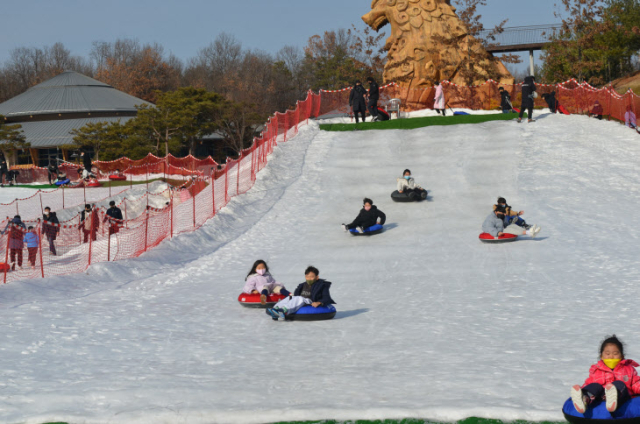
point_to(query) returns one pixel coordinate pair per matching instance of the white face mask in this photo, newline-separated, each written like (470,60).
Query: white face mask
(261,271)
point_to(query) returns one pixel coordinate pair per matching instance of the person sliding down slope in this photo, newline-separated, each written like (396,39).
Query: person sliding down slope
(313,291)
(369,216)
(511,216)
(494,225)
(259,280)
(407,184)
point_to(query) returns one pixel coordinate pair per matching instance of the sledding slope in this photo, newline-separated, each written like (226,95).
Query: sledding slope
(432,323)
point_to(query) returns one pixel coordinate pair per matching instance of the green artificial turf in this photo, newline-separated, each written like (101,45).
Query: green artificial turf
(412,123)
(104,184)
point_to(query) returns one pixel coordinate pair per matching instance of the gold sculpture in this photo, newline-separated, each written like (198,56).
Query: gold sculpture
(429,43)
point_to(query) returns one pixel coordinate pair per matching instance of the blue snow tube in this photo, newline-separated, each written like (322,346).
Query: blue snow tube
(309,313)
(461,113)
(374,229)
(63,182)
(627,413)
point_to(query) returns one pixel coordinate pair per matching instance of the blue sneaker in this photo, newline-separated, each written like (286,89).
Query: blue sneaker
(276,313)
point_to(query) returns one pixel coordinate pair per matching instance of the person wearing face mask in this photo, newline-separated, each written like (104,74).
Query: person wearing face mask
(50,228)
(369,216)
(494,225)
(613,379)
(511,216)
(89,223)
(407,185)
(357,101)
(314,291)
(259,280)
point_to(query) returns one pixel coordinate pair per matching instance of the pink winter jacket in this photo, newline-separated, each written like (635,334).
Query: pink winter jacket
(625,371)
(259,282)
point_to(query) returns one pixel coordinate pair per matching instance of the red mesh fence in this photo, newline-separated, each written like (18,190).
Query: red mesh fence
(153,217)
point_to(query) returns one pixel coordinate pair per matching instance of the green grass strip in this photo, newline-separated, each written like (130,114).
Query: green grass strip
(104,184)
(412,123)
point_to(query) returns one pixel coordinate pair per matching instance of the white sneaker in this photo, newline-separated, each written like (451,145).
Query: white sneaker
(360,230)
(536,229)
(611,394)
(579,399)
(344,227)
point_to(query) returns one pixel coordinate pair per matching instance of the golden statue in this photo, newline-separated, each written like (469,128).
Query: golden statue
(429,43)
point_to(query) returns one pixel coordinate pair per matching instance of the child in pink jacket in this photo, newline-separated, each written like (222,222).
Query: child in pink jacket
(260,281)
(613,379)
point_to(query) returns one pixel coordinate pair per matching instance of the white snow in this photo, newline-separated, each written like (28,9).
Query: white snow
(431,323)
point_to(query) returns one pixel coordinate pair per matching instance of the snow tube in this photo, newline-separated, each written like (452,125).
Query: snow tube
(63,182)
(94,184)
(516,110)
(561,109)
(505,238)
(383,114)
(118,177)
(461,113)
(4,267)
(374,229)
(396,196)
(309,313)
(627,413)
(253,300)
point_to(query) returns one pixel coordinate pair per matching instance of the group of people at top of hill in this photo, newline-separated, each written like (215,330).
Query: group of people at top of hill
(361,100)
(314,291)
(505,220)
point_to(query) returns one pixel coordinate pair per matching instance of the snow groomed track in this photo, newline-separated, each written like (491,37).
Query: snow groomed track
(431,323)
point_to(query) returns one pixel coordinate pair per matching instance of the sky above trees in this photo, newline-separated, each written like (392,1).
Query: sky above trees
(185,27)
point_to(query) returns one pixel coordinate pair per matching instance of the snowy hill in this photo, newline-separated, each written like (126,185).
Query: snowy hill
(431,323)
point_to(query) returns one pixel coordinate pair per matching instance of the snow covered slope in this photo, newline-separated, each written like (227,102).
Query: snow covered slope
(431,323)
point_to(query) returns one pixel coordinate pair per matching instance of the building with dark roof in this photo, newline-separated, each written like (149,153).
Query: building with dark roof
(48,112)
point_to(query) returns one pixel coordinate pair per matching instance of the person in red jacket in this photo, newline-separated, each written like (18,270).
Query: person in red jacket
(613,379)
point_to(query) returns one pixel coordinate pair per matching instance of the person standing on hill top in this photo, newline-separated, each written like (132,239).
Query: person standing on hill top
(505,101)
(374,96)
(86,163)
(528,94)
(356,100)
(50,228)
(438,100)
(52,169)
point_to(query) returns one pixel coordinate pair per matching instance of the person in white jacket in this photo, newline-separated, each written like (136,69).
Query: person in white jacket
(407,184)
(259,280)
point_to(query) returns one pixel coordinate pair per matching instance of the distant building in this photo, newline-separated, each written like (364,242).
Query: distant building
(48,112)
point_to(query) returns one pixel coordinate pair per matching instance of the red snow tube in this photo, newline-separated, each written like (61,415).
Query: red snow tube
(118,177)
(4,267)
(563,110)
(383,114)
(253,300)
(505,238)
(94,184)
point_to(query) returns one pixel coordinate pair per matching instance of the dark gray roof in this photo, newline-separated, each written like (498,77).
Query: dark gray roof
(69,92)
(48,134)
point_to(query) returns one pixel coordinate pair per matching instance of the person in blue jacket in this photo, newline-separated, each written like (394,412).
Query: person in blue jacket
(32,240)
(314,291)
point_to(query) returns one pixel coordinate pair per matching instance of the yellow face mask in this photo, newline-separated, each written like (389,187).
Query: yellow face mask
(611,363)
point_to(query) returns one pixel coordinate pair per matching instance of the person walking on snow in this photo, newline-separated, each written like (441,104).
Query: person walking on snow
(114,216)
(50,228)
(374,96)
(494,225)
(357,102)
(259,280)
(407,184)
(630,118)
(369,216)
(438,100)
(528,94)
(613,379)
(505,101)
(16,230)
(89,223)
(32,240)
(313,291)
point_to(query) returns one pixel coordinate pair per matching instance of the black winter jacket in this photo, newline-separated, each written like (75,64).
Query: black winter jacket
(505,102)
(114,212)
(356,99)
(86,161)
(374,91)
(319,292)
(50,230)
(528,87)
(551,101)
(369,217)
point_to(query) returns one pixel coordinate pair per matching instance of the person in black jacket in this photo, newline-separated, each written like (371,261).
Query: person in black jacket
(374,96)
(369,215)
(313,291)
(50,228)
(528,90)
(356,100)
(505,101)
(86,164)
(550,98)
(114,216)
(3,171)
(52,169)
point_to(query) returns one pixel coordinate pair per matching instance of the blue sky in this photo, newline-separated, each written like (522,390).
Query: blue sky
(183,27)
